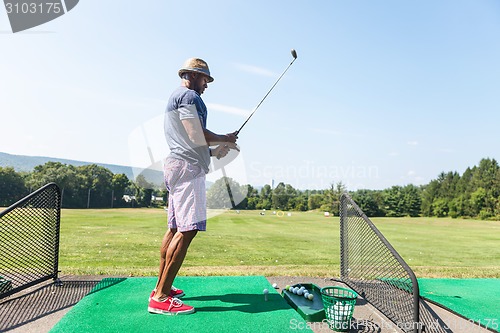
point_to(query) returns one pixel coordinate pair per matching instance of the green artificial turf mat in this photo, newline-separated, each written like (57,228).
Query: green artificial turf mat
(222,303)
(475,299)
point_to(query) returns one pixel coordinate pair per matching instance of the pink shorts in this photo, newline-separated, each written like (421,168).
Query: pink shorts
(187,202)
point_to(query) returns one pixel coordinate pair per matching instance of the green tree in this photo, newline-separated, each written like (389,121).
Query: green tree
(440,207)
(394,201)
(265,201)
(496,194)
(412,201)
(448,183)
(331,198)
(12,186)
(97,182)
(143,191)
(429,194)
(461,204)
(218,194)
(478,200)
(119,184)
(252,199)
(457,207)
(370,202)
(252,202)
(279,197)
(314,201)
(298,202)
(63,175)
(485,174)
(266,192)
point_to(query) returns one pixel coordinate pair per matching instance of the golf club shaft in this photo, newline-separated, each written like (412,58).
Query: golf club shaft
(275,83)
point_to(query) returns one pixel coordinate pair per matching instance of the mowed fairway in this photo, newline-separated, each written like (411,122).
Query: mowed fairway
(126,242)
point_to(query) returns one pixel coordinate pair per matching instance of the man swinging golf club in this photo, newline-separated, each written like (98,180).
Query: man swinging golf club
(185,168)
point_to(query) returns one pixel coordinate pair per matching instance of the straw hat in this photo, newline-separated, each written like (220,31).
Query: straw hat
(196,65)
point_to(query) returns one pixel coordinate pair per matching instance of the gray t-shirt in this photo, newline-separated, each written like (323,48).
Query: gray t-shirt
(185,103)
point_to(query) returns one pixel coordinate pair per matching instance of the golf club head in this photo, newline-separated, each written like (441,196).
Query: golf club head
(294,55)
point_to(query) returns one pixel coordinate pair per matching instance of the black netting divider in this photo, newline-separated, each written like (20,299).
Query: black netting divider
(29,240)
(373,268)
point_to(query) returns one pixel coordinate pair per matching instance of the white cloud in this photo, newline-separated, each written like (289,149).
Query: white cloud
(256,70)
(413,178)
(228,109)
(412,143)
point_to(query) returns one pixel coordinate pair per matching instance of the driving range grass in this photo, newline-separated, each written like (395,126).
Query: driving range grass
(126,242)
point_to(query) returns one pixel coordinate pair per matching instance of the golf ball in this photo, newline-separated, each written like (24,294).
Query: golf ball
(305,291)
(266,291)
(295,290)
(310,297)
(287,287)
(275,285)
(299,292)
(306,295)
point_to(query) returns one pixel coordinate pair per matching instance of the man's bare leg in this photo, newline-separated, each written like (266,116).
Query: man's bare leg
(174,257)
(163,252)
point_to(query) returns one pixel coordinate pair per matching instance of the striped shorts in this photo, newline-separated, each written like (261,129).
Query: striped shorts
(187,200)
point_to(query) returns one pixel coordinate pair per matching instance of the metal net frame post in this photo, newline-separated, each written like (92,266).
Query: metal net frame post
(29,240)
(372,267)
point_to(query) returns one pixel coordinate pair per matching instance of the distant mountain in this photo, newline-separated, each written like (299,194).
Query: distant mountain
(28,163)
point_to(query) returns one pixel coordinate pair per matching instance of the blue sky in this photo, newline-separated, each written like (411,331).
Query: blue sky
(383,92)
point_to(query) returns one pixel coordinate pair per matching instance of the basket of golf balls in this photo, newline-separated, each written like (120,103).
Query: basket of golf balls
(300,291)
(339,306)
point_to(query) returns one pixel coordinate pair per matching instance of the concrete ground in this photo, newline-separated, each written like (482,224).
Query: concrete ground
(38,309)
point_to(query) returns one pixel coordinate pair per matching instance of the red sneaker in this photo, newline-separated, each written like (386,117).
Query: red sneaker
(169,306)
(174,292)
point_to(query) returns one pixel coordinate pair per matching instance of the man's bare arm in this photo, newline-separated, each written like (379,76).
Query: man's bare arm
(194,131)
(214,139)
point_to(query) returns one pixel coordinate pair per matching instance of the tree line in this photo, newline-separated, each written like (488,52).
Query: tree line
(88,186)
(474,194)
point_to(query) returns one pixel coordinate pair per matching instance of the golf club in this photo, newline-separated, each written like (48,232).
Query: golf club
(294,55)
